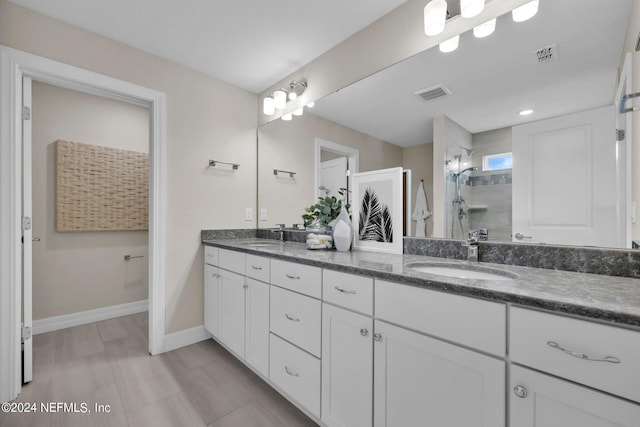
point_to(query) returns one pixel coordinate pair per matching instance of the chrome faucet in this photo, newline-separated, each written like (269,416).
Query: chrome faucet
(280,230)
(472,248)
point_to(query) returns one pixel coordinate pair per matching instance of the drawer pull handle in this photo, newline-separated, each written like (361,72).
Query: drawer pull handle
(610,359)
(344,291)
(256,268)
(293,319)
(290,372)
(293,277)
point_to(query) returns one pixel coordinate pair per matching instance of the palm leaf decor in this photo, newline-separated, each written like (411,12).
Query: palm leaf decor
(375,222)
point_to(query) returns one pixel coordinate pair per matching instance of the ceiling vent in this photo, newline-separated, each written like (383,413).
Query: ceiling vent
(546,54)
(433,92)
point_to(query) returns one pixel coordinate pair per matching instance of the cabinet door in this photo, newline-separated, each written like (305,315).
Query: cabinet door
(256,351)
(211,276)
(231,311)
(543,401)
(347,368)
(421,381)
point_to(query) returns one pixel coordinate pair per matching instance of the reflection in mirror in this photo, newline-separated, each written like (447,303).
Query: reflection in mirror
(485,84)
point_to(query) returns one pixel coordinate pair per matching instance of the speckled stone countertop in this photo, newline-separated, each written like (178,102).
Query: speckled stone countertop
(600,297)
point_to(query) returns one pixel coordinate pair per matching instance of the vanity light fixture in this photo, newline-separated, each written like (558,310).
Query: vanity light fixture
(471,8)
(280,99)
(298,112)
(311,104)
(526,112)
(526,11)
(450,45)
(287,117)
(486,29)
(268,106)
(435,16)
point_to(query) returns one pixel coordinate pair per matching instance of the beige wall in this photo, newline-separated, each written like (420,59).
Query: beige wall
(206,118)
(82,271)
(630,46)
(291,146)
(419,159)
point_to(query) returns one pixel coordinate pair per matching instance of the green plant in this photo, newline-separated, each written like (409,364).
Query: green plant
(327,208)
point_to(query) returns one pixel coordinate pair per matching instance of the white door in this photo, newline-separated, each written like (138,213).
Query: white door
(347,368)
(256,345)
(27,235)
(538,400)
(422,381)
(231,290)
(211,279)
(333,175)
(564,180)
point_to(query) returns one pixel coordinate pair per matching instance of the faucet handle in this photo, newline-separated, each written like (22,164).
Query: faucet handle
(281,226)
(296,226)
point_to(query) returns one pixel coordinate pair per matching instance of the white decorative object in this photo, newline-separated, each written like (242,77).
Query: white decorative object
(342,232)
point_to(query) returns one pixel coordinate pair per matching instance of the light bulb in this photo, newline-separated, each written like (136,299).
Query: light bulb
(471,8)
(298,112)
(483,30)
(435,15)
(450,45)
(311,104)
(280,99)
(526,11)
(287,117)
(527,112)
(268,106)
(292,95)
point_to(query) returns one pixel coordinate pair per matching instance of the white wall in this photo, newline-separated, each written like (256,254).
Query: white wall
(291,146)
(206,118)
(81,271)
(419,159)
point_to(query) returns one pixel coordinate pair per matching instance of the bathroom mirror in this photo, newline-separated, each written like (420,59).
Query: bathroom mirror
(547,64)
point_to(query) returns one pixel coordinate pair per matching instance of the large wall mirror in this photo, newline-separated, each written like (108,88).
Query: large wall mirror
(557,175)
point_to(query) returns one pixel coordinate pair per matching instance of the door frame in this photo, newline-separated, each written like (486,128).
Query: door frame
(353,166)
(14,64)
(625,171)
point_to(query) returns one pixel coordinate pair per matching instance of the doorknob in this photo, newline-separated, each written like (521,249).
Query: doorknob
(521,236)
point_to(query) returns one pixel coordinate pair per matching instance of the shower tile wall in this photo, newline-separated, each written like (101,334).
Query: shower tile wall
(492,190)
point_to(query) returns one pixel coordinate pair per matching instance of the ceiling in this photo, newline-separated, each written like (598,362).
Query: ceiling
(251,44)
(492,79)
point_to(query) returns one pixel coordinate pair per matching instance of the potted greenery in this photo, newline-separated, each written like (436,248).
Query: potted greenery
(319,217)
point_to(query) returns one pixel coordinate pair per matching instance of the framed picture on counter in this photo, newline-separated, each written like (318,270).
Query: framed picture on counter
(377,213)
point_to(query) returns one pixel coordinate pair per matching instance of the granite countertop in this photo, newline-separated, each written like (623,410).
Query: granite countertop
(606,298)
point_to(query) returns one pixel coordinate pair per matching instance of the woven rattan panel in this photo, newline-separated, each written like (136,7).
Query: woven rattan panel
(100,188)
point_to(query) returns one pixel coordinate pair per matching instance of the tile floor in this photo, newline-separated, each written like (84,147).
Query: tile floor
(107,363)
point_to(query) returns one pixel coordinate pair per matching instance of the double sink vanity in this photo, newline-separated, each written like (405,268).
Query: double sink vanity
(369,339)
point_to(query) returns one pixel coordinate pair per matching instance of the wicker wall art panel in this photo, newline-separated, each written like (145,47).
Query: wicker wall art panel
(100,188)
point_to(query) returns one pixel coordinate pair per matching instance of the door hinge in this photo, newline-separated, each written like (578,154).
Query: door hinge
(26,223)
(620,135)
(26,113)
(26,333)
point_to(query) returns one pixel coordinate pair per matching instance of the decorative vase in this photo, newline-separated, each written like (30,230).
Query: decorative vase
(319,236)
(342,232)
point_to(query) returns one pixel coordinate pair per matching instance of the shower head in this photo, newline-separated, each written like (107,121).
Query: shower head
(472,168)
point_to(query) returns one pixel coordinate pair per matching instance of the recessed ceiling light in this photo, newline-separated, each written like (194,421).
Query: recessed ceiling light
(525,112)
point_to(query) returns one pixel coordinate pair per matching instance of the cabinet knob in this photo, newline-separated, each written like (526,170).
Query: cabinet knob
(377,337)
(520,391)
(364,332)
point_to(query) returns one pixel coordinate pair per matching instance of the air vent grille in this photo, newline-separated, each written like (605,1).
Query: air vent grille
(546,54)
(433,92)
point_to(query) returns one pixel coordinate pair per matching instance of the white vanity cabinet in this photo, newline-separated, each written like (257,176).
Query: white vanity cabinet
(237,305)
(347,364)
(421,379)
(600,357)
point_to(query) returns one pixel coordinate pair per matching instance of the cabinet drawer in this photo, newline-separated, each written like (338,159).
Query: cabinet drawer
(348,290)
(565,347)
(257,267)
(296,318)
(301,278)
(231,260)
(210,255)
(476,323)
(296,373)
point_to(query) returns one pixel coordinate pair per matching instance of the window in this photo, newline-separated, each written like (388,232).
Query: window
(494,162)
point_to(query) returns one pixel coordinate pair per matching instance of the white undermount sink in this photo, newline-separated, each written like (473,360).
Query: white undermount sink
(462,271)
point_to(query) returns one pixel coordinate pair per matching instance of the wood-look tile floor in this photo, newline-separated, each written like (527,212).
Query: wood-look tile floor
(107,363)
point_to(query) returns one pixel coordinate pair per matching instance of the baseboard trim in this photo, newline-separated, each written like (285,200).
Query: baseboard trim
(83,317)
(185,337)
